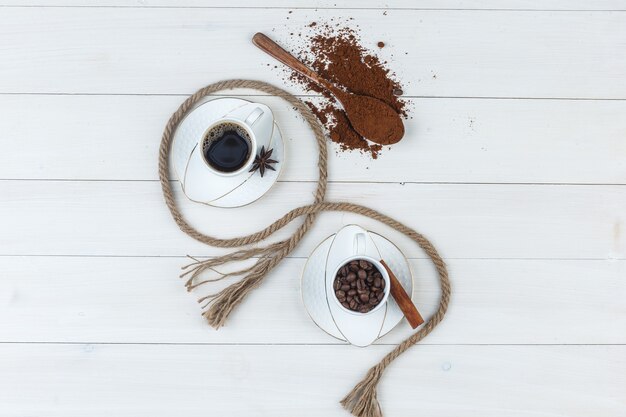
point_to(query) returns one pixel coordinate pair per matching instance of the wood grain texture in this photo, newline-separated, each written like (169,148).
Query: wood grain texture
(464,221)
(176,51)
(74,380)
(516,5)
(142,300)
(447,140)
(513,164)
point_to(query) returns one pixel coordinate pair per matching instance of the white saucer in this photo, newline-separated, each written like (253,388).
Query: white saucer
(359,330)
(204,186)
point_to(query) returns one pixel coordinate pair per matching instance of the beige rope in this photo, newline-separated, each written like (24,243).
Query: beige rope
(362,400)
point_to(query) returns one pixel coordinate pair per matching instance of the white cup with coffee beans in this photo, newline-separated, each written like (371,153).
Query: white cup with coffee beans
(361,283)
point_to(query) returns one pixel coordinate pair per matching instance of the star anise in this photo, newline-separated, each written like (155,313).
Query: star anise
(262,161)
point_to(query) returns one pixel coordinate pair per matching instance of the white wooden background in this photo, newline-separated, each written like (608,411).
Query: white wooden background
(514,164)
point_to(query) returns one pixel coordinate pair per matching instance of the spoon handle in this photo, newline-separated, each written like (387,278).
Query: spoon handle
(275,50)
(404,301)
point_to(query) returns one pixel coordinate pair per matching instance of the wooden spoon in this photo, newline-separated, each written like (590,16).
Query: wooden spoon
(370,117)
(402,298)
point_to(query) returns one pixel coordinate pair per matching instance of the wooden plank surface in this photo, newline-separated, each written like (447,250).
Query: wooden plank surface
(466,221)
(448,53)
(147,380)
(513,164)
(447,140)
(141,300)
(517,5)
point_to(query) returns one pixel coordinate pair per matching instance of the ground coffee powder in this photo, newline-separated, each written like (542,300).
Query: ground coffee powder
(338,56)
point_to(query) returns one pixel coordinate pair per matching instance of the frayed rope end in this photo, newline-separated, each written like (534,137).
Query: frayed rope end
(219,306)
(362,401)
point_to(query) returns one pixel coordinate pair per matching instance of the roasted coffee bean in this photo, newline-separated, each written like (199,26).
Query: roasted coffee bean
(359,286)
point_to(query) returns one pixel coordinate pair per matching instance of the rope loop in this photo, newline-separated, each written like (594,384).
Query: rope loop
(362,400)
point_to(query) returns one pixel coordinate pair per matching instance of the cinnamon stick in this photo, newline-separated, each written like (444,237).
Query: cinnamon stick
(402,298)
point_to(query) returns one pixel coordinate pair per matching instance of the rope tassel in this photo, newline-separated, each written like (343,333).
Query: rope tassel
(198,267)
(362,401)
(217,307)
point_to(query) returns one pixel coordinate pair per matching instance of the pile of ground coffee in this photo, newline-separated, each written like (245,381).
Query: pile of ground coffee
(337,55)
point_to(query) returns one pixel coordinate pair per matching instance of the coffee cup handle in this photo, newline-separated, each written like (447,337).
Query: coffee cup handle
(254,116)
(359,244)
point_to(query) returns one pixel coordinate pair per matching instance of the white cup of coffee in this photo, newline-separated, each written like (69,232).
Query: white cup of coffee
(228,147)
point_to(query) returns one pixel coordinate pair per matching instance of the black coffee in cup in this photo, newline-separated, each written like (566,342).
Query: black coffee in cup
(226,147)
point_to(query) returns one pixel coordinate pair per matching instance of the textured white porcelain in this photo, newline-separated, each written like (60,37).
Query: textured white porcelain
(313,289)
(319,299)
(198,181)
